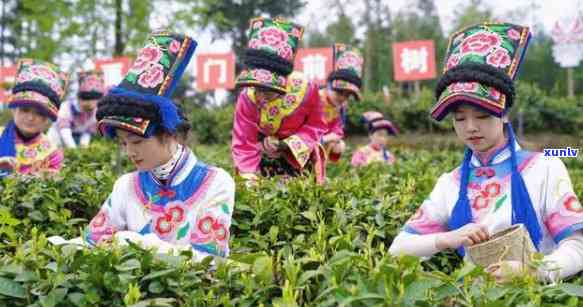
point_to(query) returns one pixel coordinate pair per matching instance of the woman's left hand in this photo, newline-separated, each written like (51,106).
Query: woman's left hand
(339,147)
(504,271)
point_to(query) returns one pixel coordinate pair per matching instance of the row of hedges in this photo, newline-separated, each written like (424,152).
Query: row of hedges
(540,113)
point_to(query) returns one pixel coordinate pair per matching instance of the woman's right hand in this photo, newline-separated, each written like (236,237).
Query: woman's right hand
(271,147)
(469,234)
(331,138)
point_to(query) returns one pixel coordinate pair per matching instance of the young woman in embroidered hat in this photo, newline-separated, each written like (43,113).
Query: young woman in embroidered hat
(35,100)
(76,123)
(499,183)
(278,119)
(173,201)
(376,150)
(343,83)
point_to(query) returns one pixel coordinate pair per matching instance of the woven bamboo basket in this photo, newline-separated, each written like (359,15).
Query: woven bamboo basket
(509,244)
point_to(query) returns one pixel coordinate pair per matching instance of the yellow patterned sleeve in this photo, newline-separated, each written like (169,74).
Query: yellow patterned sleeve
(299,150)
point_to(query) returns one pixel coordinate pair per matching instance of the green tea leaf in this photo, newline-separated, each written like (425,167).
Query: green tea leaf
(263,269)
(572,289)
(129,265)
(11,288)
(158,274)
(155,287)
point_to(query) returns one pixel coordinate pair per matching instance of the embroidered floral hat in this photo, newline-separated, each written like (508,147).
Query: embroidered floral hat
(142,102)
(376,121)
(91,85)
(269,57)
(39,84)
(481,64)
(347,74)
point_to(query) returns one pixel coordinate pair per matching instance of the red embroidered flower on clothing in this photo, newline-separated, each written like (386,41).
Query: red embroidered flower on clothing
(480,43)
(513,34)
(91,83)
(254,44)
(349,60)
(281,81)
(463,87)
(148,56)
(152,77)
(99,220)
(453,61)
(572,204)
(285,52)
(164,225)
(174,46)
(43,72)
(492,189)
(485,171)
(30,153)
(273,111)
(262,75)
(481,202)
(290,99)
(296,145)
(167,193)
(209,228)
(494,93)
(45,145)
(273,37)
(24,76)
(177,213)
(499,58)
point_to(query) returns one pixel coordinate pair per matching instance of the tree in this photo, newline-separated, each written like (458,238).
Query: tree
(340,31)
(472,13)
(73,30)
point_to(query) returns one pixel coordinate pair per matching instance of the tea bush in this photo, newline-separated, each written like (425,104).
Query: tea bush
(293,244)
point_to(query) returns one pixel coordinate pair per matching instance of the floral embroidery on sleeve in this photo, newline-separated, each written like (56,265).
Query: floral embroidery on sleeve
(299,149)
(422,223)
(100,228)
(568,218)
(210,233)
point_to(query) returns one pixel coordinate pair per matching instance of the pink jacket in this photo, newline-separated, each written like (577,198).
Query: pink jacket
(371,153)
(332,116)
(333,121)
(296,119)
(37,155)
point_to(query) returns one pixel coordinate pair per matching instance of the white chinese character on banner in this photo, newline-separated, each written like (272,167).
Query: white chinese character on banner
(414,60)
(314,66)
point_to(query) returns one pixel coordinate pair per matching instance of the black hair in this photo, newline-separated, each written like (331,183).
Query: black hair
(114,105)
(38,87)
(262,59)
(346,75)
(92,95)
